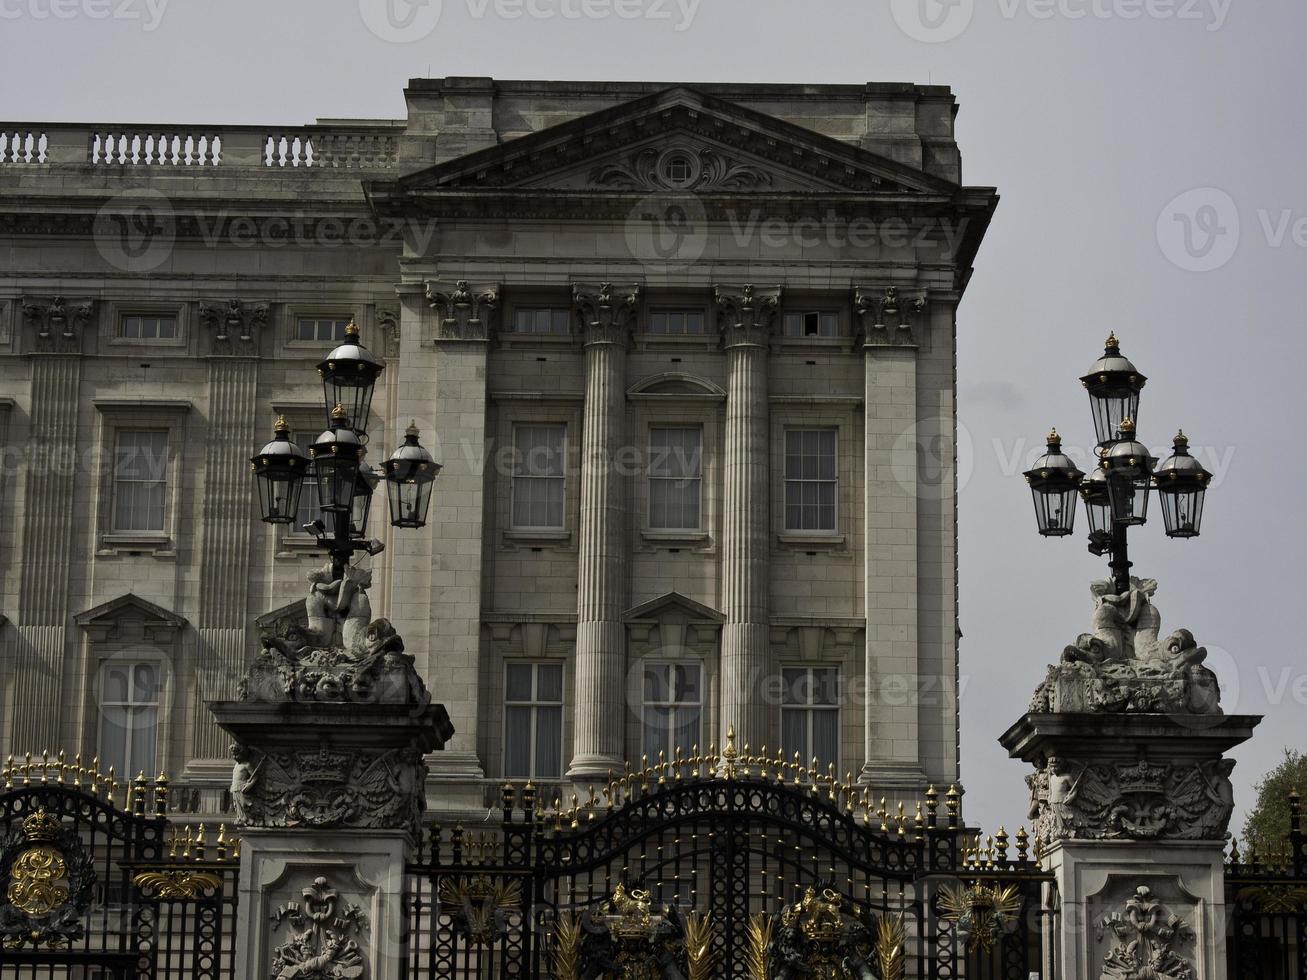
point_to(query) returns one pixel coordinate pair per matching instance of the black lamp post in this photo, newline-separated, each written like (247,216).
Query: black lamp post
(345,481)
(1116,491)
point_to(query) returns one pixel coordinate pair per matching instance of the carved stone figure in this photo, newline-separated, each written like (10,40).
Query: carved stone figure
(342,656)
(320,946)
(1147,940)
(1122,666)
(465,312)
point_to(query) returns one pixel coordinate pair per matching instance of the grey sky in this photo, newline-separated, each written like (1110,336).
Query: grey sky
(1089,126)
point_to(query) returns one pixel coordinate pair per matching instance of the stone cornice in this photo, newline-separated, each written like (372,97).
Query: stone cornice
(602,317)
(745,316)
(464,312)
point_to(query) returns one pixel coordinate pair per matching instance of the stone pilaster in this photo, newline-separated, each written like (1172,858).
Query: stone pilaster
(54,331)
(746,321)
(605,322)
(436,596)
(226,542)
(893,667)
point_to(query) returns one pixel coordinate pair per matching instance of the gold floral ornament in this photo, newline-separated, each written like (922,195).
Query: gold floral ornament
(36,874)
(982,915)
(629,915)
(176,884)
(480,904)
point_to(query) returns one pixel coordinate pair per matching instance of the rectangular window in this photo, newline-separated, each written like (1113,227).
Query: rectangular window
(675,478)
(539,475)
(810,715)
(533,721)
(810,480)
(140,471)
(812,324)
(321,329)
(129,717)
(546,320)
(134,327)
(676,322)
(673,709)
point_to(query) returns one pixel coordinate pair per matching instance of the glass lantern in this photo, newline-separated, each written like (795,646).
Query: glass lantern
(279,470)
(1114,385)
(410,473)
(1182,486)
(1054,481)
(1129,476)
(337,454)
(349,375)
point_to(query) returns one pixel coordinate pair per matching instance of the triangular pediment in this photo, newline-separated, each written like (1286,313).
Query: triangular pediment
(293,613)
(673,602)
(129,606)
(675,141)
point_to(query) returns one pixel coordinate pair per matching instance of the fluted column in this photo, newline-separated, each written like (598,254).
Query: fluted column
(746,319)
(41,702)
(605,322)
(893,660)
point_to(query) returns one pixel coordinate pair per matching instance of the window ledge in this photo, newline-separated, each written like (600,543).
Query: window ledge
(299,542)
(529,536)
(810,539)
(510,339)
(660,536)
(159,545)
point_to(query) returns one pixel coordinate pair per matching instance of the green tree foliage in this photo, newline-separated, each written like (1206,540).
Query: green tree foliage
(1268,825)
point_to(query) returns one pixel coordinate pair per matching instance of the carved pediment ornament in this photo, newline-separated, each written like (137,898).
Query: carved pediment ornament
(888,319)
(320,943)
(680,167)
(57,325)
(464,312)
(1147,935)
(747,316)
(605,317)
(234,325)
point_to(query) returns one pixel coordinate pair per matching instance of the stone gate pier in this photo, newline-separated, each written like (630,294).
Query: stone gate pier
(330,726)
(1131,796)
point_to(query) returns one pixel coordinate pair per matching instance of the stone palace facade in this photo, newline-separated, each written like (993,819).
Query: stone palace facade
(687,354)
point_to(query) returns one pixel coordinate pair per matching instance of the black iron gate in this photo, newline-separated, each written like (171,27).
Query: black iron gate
(723,868)
(97,883)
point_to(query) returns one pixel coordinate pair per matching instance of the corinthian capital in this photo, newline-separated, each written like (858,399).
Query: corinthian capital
(58,325)
(465,312)
(605,318)
(886,319)
(746,316)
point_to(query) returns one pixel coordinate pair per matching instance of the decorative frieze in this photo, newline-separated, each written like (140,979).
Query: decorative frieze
(56,326)
(886,319)
(464,312)
(746,316)
(1140,800)
(234,326)
(605,318)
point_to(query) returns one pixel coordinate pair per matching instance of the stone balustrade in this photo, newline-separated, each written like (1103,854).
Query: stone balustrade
(370,146)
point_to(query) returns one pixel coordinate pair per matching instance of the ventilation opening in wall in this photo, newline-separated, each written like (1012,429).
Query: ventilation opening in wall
(811,554)
(542,360)
(812,363)
(537,550)
(676,360)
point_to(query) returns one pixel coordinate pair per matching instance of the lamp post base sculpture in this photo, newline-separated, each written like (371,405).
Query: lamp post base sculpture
(1131,795)
(331,723)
